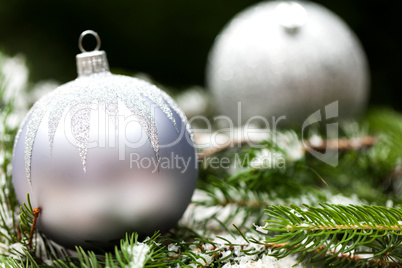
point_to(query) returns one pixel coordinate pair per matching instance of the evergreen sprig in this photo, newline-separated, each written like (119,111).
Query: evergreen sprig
(337,230)
(130,253)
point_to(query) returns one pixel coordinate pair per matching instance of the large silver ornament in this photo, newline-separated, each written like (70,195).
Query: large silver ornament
(285,58)
(104,155)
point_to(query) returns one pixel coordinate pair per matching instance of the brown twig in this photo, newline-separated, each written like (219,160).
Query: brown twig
(18,232)
(214,150)
(334,144)
(381,263)
(36,212)
(343,144)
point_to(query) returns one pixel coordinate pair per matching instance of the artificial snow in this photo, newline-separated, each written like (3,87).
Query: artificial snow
(15,250)
(266,262)
(15,75)
(232,254)
(173,248)
(261,228)
(316,141)
(138,254)
(267,159)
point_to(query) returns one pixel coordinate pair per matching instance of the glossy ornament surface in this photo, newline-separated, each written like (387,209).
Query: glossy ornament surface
(104,155)
(287,58)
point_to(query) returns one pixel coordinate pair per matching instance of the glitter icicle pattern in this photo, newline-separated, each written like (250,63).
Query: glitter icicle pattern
(76,98)
(96,85)
(104,142)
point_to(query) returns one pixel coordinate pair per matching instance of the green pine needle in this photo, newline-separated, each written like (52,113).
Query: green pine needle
(337,231)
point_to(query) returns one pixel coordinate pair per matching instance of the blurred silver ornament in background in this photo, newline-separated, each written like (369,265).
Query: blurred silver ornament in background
(194,101)
(285,58)
(104,155)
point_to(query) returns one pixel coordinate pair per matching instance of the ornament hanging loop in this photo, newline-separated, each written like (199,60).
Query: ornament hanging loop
(91,62)
(93,33)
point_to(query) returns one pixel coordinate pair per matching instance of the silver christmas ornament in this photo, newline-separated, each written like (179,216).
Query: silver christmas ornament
(285,58)
(104,155)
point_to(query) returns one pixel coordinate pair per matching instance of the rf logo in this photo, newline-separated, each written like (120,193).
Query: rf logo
(330,156)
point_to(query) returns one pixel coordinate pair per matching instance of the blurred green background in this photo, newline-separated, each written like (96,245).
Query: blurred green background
(170,39)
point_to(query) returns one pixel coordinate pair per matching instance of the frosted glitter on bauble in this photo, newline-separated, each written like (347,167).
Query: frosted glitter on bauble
(285,58)
(104,155)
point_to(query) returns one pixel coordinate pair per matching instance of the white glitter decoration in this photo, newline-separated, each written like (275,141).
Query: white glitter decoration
(35,116)
(76,97)
(80,129)
(181,114)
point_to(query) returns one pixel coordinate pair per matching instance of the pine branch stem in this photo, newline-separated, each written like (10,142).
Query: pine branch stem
(345,227)
(18,232)
(36,212)
(343,144)
(214,150)
(238,203)
(381,263)
(332,144)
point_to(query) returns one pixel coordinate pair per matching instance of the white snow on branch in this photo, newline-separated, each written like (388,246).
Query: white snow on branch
(15,77)
(233,252)
(261,228)
(138,254)
(266,262)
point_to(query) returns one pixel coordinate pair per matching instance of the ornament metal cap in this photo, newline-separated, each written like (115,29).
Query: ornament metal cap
(291,15)
(91,62)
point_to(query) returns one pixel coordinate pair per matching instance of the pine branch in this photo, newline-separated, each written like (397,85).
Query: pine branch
(27,223)
(36,212)
(220,253)
(130,253)
(232,248)
(343,144)
(331,230)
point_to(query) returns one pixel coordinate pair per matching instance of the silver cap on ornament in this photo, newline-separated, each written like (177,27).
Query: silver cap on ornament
(90,62)
(291,16)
